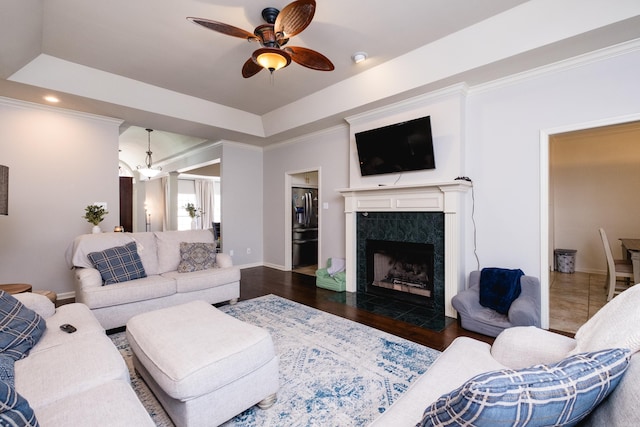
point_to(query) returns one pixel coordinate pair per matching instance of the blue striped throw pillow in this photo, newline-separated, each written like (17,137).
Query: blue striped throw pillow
(14,409)
(20,327)
(118,264)
(560,394)
(7,369)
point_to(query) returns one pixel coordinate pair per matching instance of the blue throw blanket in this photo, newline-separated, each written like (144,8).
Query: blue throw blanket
(499,287)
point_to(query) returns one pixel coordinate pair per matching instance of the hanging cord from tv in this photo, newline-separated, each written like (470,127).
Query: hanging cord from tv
(475,234)
(399,176)
(473,218)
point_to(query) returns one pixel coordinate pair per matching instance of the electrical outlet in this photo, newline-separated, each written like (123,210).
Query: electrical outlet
(248,251)
(103,205)
(230,252)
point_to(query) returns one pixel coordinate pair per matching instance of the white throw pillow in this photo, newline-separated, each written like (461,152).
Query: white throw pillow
(614,326)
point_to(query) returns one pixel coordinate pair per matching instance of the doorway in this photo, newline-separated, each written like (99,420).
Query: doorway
(582,189)
(303,221)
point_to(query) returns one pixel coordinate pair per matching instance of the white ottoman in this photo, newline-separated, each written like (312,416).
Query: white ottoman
(203,365)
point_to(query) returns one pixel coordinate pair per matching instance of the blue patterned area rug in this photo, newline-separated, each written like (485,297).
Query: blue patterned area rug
(333,371)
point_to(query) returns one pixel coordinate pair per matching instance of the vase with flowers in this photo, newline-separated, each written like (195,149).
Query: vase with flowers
(94,214)
(194,213)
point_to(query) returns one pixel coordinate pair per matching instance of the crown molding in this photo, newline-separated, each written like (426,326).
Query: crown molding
(459,89)
(26,105)
(304,137)
(560,66)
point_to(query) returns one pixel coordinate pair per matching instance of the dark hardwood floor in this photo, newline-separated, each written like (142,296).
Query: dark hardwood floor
(258,281)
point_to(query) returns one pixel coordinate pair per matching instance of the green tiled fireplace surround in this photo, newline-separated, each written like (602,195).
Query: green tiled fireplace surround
(416,227)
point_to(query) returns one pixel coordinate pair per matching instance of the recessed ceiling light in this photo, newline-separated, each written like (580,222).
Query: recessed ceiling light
(359,57)
(51,98)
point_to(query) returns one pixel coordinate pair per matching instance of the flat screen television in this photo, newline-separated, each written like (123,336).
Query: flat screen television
(401,147)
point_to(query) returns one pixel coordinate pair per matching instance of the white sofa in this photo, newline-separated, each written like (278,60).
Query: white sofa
(614,326)
(114,304)
(77,379)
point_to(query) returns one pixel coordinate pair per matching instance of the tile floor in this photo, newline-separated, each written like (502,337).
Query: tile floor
(400,310)
(574,299)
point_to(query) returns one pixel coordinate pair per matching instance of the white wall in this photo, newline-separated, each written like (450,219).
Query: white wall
(59,162)
(503,148)
(242,203)
(446,110)
(327,152)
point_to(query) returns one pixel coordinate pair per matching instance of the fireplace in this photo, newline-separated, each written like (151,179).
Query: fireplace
(409,243)
(400,270)
(443,227)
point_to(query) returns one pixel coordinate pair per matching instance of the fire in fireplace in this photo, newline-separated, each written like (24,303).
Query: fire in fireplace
(402,270)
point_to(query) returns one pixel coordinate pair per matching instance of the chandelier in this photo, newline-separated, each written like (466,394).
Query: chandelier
(148,170)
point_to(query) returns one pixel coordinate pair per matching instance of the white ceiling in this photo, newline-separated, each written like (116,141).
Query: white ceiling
(141,61)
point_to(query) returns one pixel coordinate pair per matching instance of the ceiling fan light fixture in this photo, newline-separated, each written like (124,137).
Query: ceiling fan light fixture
(272,36)
(271,58)
(148,170)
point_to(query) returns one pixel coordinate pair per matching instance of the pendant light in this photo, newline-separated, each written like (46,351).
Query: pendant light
(148,170)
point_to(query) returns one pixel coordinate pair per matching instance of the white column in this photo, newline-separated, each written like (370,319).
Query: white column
(453,245)
(351,252)
(172,222)
(451,255)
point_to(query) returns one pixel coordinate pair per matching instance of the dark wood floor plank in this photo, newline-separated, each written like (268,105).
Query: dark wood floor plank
(258,281)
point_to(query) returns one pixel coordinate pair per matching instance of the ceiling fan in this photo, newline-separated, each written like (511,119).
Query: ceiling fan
(272,36)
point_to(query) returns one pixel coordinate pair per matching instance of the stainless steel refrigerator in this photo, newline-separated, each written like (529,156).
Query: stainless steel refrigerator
(304,208)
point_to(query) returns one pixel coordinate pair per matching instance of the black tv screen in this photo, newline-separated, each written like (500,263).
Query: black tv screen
(406,146)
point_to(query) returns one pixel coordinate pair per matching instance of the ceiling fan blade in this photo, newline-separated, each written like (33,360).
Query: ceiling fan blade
(309,58)
(294,18)
(250,68)
(223,28)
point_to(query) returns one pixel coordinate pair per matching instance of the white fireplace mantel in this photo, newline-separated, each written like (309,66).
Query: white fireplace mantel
(444,197)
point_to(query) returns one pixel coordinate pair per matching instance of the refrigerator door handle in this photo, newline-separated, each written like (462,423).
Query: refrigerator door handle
(307,215)
(304,209)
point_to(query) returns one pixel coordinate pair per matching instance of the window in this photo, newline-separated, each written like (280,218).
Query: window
(186,194)
(210,212)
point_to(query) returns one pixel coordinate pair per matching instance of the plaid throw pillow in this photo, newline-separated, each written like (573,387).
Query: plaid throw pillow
(543,395)
(14,409)
(20,327)
(7,369)
(118,264)
(196,256)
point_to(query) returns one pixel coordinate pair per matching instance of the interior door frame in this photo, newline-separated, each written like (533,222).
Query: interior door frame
(545,199)
(288,225)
